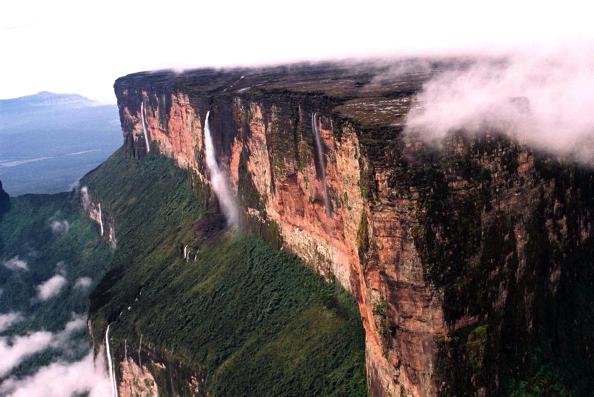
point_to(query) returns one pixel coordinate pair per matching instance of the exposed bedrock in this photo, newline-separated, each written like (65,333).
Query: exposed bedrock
(464,260)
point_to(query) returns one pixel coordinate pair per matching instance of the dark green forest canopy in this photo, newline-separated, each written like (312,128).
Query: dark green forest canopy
(257,320)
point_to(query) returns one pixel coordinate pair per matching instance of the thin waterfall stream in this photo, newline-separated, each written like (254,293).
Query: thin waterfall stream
(114,386)
(146,138)
(321,161)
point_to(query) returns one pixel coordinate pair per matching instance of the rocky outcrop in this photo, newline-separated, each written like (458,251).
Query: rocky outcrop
(437,246)
(93,209)
(136,381)
(152,372)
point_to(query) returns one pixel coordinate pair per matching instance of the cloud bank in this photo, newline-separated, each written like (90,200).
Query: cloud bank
(17,349)
(541,98)
(61,379)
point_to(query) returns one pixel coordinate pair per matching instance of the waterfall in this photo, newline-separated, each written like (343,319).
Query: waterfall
(218,180)
(321,162)
(114,386)
(100,220)
(146,139)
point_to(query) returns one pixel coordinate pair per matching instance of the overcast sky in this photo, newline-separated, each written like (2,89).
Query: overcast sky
(82,47)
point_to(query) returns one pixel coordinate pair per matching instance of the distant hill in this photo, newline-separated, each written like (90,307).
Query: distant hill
(48,141)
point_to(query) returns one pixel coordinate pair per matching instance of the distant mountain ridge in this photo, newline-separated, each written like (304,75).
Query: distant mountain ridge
(49,140)
(46,98)
(55,109)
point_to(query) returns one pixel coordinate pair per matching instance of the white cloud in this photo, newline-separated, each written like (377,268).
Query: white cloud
(51,287)
(83,283)
(62,339)
(78,322)
(16,349)
(58,379)
(9,319)
(60,226)
(542,98)
(16,263)
(62,379)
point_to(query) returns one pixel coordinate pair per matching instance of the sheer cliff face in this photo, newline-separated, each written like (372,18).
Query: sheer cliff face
(436,246)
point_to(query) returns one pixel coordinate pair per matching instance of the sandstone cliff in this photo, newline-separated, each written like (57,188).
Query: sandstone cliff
(468,262)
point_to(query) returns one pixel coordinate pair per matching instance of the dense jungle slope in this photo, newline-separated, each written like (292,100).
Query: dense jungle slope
(207,310)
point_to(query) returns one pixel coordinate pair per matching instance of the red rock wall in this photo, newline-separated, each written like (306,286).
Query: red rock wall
(291,194)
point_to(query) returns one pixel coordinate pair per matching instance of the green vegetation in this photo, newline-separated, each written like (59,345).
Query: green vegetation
(363,237)
(366,177)
(258,321)
(380,311)
(282,138)
(73,249)
(508,250)
(475,346)
(545,380)
(248,194)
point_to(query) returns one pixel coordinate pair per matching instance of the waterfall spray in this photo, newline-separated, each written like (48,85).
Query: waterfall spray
(321,162)
(114,386)
(218,180)
(146,139)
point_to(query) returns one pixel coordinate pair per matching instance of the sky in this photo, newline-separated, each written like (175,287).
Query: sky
(82,47)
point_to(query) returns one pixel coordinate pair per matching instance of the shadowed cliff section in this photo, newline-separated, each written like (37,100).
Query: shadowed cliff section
(468,261)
